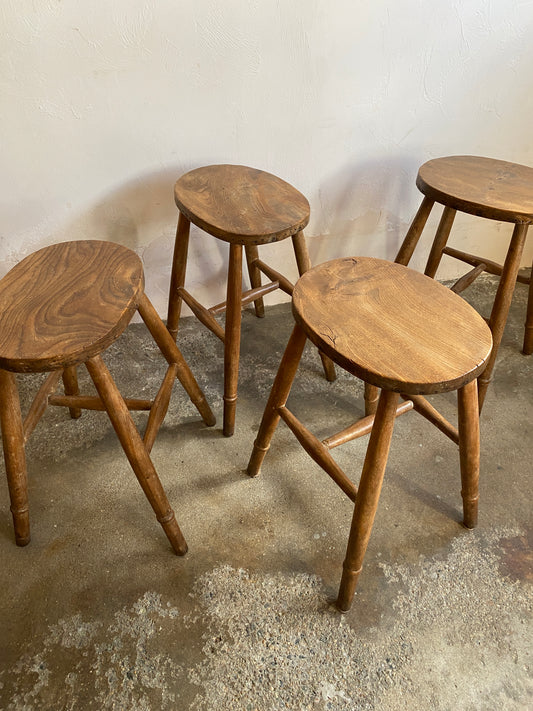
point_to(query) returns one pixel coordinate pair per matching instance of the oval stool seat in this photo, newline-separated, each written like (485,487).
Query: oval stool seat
(391,326)
(240,204)
(66,303)
(486,187)
(407,336)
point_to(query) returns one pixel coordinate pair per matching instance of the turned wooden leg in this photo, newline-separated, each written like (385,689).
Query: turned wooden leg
(528,334)
(304,264)
(177,277)
(441,238)
(371,399)
(278,397)
(14,456)
(252,253)
(173,356)
(135,451)
(413,233)
(367,499)
(232,340)
(467,400)
(502,303)
(70,383)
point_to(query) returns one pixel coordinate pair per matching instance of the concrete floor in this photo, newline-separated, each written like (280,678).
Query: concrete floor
(97,613)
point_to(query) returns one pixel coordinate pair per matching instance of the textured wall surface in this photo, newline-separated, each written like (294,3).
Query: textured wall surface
(104,105)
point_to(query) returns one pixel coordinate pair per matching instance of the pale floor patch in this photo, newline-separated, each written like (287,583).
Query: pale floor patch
(274,642)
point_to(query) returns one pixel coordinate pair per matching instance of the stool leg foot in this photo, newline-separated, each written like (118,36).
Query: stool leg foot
(177,277)
(14,456)
(413,233)
(502,303)
(349,581)
(467,400)
(70,382)
(135,451)
(252,253)
(528,335)
(304,264)
(278,397)
(174,356)
(367,499)
(232,341)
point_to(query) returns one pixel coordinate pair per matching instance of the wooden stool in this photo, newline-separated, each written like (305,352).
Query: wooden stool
(402,332)
(487,188)
(245,207)
(63,306)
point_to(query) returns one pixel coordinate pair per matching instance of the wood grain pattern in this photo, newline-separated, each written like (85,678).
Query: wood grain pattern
(391,326)
(240,204)
(486,187)
(74,299)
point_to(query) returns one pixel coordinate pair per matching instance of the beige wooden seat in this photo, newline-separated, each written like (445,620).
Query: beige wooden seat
(246,208)
(63,306)
(495,190)
(401,332)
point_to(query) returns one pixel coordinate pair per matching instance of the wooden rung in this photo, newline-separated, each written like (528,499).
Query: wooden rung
(202,314)
(247,297)
(263,290)
(93,402)
(218,308)
(39,403)
(160,407)
(318,452)
(523,277)
(466,280)
(360,428)
(284,284)
(426,409)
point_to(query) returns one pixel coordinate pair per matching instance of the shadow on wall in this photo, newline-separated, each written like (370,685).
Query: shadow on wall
(142,215)
(366,208)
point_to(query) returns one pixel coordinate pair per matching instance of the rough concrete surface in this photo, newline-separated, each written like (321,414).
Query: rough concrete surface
(97,613)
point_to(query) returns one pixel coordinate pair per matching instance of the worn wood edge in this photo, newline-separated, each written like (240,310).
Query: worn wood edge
(472,208)
(381,381)
(238,238)
(80,355)
(374,377)
(243,238)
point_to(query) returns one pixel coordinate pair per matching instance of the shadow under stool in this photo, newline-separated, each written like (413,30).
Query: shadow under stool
(495,190)
(63,306)
(245,207)
(405,334)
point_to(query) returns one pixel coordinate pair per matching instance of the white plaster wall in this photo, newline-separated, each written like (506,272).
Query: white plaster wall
(105,104)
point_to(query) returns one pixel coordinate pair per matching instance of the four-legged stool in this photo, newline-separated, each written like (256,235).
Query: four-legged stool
(63,306)
(245,207)
(496,190)
(402,332)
